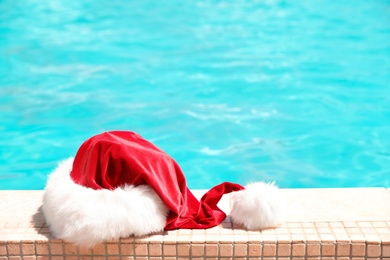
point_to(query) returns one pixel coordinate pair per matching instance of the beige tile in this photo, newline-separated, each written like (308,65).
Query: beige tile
(342,238)
(71,257)
(211,249)
(343,249)
(42,248)
(284,249)
(31,257)
(240,238)
(298,238)
(254,249)
(58,257)
(296,224)
(310,230)
(336,224)
(197,249)
(125,249)
(382,230)
(386,250)
(198,238)
(270,238)
(226,250)
(13,249)
(368,230)
(372,238)
(284,239)
(70,249)
(339,230)
(28,248)
(169,249)
(214,230)
(155,249)
(170,238)
(140,249)
(183,238)
(99,257)
(350,224)
(312,238)
(43,257)
(213,238)
(385,238)
(328,249)
(269,250)
(14,258)
(373,250)
(379,224)
(154,258)
(298,249)
(3,248)
(357,238)
(99,249)
(56,249)
(113,248)
(240,250)
(282,231)
(313,249)
(183,249)
(156,238)
(325,230)
(185,232)
(85,251)
(327,237)
(255,237)
(358,249)
(307,224)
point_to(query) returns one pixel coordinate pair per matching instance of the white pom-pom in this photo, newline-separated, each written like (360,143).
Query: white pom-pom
(260,205)
(87,217)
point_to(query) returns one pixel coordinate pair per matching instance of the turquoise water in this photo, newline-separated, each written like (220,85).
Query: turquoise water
(292,91)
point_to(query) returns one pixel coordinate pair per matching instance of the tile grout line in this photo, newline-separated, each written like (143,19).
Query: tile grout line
(247,249)
(6,248)
(20,249)
(63,249)
(162,248)
(204,249)
(49,248)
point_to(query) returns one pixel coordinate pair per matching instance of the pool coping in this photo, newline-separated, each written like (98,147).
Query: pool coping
(345,223)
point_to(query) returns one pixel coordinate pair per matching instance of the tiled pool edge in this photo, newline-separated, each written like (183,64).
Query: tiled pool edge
(320,224)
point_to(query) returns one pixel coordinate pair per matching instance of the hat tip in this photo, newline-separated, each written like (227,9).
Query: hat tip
(259,206)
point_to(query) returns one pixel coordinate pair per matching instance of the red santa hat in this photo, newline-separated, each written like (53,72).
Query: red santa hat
(120,184)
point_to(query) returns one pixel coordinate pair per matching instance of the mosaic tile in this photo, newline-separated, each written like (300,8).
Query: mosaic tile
(304,235)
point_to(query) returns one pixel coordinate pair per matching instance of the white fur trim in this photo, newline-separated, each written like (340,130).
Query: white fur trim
(260,205)
(86,217)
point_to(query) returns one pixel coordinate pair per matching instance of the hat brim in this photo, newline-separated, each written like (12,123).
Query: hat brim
(87,217)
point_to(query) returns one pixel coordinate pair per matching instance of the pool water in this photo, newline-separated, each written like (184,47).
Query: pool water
(296,92)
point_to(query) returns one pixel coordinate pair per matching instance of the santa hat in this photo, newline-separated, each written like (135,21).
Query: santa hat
(120,184)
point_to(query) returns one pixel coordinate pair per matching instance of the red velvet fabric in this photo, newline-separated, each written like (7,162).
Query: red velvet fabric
(112,159)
